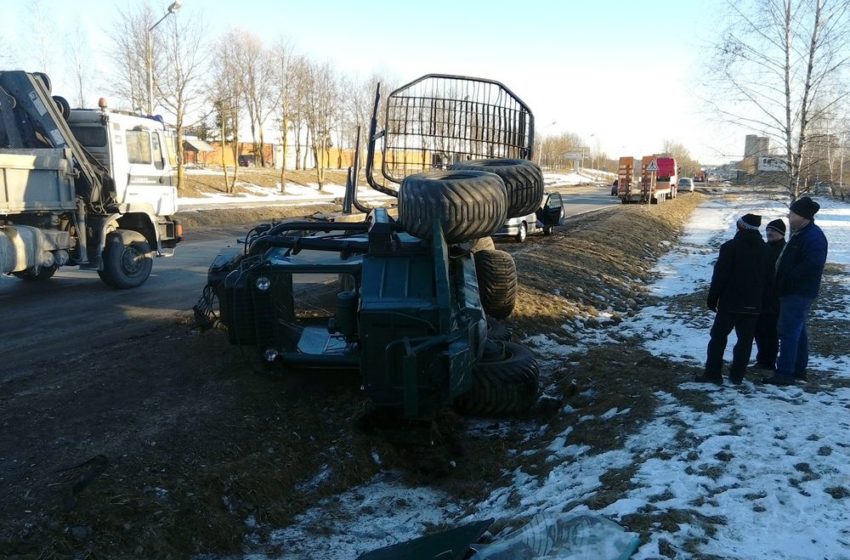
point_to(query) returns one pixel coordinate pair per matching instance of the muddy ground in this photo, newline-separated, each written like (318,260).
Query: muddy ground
(163,446)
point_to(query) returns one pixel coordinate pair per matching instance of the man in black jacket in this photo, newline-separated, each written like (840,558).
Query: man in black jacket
(767,339)
(736,295)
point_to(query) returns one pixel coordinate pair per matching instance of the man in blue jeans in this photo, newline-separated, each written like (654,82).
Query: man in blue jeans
(798,276)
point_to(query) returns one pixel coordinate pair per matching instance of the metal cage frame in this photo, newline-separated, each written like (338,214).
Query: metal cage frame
(440,119)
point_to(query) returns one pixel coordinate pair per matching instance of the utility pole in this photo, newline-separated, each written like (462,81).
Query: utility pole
(149,51)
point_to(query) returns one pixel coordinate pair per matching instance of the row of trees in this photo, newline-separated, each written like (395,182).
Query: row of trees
(780,68)
(235,83)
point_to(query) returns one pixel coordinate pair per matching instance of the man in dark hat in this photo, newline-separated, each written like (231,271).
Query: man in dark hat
(767,339)
(736,295)
(798,276)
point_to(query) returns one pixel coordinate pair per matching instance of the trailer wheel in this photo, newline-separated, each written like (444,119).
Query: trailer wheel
(63,106)
(523,180)
(502,385)
(468,204)
(45,80)
(30,275)
(127,260)
(497,282)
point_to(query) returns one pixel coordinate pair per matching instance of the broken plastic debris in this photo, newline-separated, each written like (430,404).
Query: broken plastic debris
(551,536)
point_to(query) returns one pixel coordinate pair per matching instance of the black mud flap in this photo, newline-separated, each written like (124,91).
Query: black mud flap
(448,545)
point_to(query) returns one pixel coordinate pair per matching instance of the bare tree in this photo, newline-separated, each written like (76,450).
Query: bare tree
(226,96)
(79,61)
(256,67)
(780,63)
(360,95)
(688,166)
(179,86)
(320,107)
(40,38)
(299,70)
(552,150)
(284,83)
(129,53)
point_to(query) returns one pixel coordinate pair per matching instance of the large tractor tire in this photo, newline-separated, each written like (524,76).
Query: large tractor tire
(468,204)
(497,282)
(523,180)
(127,260)
(505,384)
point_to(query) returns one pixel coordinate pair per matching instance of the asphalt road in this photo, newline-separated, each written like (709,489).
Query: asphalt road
(43,324)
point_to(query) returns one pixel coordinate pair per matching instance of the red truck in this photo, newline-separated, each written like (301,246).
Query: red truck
(666,178)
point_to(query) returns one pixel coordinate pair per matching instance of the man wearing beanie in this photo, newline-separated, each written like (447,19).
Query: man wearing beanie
(798,275)
(736,295)
(767,339)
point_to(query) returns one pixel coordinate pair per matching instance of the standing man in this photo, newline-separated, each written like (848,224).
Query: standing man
(767,339)
(798,275)
(736,295)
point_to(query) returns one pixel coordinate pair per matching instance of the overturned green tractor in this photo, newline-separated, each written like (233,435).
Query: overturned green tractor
(406,303)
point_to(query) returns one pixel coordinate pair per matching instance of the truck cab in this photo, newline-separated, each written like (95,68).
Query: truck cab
(667,177)
(139,153)
(92,188)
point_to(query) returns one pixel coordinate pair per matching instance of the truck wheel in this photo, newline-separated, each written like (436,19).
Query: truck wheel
(503,384)
(63,106)
(468,204)
(523,180)
(30,275)
(522,234)
(127,260)
(497,282)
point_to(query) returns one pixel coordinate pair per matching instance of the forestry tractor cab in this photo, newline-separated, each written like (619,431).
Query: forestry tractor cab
(407,303)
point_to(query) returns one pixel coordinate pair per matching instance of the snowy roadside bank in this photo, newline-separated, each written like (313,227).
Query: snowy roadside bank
(759,472)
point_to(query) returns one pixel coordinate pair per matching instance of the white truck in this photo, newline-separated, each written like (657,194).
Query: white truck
(92,188)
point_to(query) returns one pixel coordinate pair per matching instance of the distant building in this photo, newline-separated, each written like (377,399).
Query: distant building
(756,146)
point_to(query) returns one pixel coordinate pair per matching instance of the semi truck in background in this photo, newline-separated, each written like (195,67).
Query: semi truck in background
(657,182)
(93,188)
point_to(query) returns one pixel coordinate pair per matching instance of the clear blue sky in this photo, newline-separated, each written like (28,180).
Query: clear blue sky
(623,75)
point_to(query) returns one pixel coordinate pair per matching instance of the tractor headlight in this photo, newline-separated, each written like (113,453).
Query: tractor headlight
(263,283)
(270,355)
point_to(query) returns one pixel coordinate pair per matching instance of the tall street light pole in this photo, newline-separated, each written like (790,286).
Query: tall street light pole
(149,51)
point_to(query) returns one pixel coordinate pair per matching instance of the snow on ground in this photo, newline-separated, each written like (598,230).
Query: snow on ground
(292,194)
(769,468)
(581,177)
